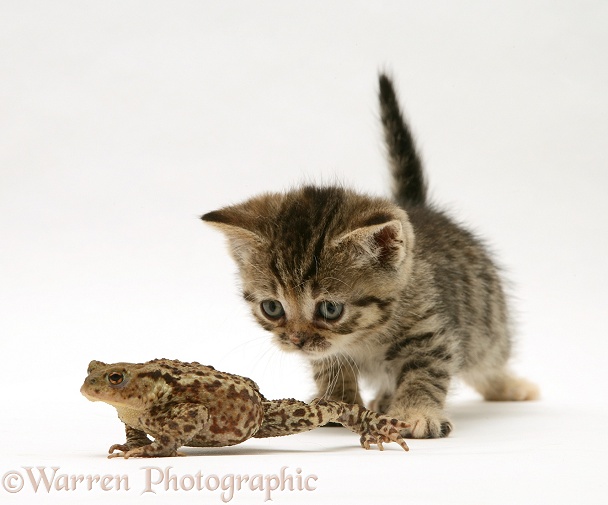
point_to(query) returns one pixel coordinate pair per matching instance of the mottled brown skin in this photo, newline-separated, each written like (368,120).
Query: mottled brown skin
(189,404)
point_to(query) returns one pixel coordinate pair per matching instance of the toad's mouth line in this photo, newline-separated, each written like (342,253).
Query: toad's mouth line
(98,398)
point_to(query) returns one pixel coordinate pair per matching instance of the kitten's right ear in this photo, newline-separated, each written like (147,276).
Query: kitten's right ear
(239,226)
(230,220)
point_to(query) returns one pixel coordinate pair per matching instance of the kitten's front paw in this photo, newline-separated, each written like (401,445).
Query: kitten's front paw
(424,423)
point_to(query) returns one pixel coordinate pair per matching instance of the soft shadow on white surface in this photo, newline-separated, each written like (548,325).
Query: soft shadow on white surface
(121,122)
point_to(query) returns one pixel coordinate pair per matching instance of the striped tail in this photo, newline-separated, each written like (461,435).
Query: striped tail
(409,186)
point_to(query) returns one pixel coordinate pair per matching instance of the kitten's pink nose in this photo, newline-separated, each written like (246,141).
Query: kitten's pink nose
(298,338)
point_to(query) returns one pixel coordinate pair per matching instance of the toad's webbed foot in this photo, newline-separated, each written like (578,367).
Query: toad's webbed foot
(135,438)
(147,451)
(374,428)
(383,429)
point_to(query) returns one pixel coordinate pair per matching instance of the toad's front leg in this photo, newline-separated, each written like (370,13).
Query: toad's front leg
(172,427)
(286,417)
(135,438)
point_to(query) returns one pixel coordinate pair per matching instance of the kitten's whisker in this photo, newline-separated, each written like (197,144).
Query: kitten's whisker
(253,341)
(330,383)
(354,369)
(335,372)
(269,352)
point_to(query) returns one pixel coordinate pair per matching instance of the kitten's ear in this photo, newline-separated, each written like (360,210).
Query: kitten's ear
(385,244)
(231,220)
(239,226)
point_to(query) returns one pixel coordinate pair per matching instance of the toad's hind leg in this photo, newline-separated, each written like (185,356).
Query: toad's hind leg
(287,417)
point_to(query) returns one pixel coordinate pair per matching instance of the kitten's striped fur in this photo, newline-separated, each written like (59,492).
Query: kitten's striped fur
(420,298)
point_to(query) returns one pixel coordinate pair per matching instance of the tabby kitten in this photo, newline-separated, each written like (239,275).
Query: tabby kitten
(395,292)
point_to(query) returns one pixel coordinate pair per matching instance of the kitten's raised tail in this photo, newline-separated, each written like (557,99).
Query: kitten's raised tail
(409,186)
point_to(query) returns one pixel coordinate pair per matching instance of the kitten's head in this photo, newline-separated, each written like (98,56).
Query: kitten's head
(320,267)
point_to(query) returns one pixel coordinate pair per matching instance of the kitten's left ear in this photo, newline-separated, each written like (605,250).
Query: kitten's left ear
(386,244)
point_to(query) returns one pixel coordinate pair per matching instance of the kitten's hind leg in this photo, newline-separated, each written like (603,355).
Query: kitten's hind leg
(502,385)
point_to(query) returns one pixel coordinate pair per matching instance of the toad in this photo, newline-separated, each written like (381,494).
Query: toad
(189,404)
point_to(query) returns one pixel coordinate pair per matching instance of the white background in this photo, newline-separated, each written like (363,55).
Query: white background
(122,122)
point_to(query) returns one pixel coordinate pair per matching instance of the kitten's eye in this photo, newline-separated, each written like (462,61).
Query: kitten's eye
(273,309)
(116,378)
(330,310)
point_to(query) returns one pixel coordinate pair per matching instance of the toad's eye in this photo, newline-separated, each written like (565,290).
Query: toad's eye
(273,309)
(116,378)
(330,310)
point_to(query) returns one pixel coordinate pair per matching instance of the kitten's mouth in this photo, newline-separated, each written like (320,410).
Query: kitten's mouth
(306,343)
